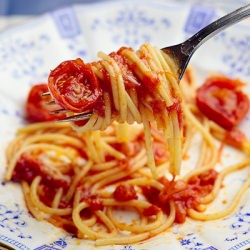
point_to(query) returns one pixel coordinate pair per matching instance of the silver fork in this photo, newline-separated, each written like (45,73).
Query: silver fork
(182,53)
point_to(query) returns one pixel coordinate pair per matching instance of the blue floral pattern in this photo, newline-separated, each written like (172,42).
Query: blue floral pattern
(76,46)
(59,244)
(13,221)
(9,111)
(128,247)
(20,49)
(26,56)
(237,53)
(240,226)
(192,242)
(133,22)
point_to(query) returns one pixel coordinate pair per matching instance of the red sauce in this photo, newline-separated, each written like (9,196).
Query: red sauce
(28,167)
(161,153)
(130,149)
(125,193)
(70,228)
(47,194)
(105,82)
(99,107)
(206,178)
(187,76)
(129,78)
(151,210)
(158,105)
(64,222)
(184,195)
(180,211)
(151,193)
(150,80)
(176,107)
(235,138)
(94,201)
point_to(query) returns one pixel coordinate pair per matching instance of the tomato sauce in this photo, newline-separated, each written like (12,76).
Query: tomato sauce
(28,167)
(185,195)
(129,78)
(125,193)
(151,210)
(94,201)
(235,138)
(161,153)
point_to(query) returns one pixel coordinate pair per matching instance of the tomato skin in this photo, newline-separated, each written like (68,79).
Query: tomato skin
(184,194)
(151,210)
(180,211)
(28,167)
(36,108)
(221,100)
(130,80)
(125,193)
(235,138)
(94,201)
(74,85)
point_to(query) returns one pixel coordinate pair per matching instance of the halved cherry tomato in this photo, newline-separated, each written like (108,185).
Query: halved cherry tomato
(37,109)
(125,193)
(29,166)
(222,100)
(74,85)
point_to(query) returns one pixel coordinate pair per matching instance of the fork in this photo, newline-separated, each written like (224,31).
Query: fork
(182,53)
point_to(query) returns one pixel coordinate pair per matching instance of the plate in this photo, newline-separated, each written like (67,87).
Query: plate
(28,52)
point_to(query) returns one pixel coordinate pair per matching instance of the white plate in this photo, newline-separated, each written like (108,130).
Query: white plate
(28,52)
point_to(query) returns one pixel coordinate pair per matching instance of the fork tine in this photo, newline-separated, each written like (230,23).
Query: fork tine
(51,103)
(58,111)
(45,94)
(75,118)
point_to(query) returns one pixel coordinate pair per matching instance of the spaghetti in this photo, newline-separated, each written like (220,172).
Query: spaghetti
(84,182)
(125,86)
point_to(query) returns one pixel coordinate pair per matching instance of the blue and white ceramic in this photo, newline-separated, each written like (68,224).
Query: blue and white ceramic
(28,52)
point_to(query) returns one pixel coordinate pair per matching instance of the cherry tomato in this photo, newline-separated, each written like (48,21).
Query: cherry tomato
(74,85)
(29,166)
(236,138)
(125,193)
(37,109)
(151,210)
(221,100)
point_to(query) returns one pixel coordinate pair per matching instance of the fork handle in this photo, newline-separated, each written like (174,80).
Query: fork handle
(190,45)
